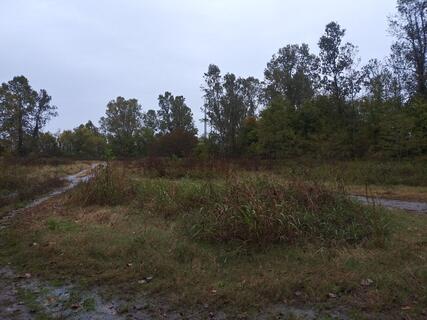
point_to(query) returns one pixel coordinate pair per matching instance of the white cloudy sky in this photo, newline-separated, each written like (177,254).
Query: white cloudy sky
(87,52)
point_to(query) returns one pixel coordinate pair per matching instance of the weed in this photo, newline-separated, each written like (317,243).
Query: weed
(261,211)
(108,186)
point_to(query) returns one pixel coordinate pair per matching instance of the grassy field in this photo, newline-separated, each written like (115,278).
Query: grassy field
(237,240)
(22,182)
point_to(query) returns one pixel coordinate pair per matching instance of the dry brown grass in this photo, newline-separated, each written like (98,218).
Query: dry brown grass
(20,183)
(109,185)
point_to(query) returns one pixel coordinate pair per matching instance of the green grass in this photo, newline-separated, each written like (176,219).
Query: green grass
(238,243)
(360,172)
(30,300)
(357,172)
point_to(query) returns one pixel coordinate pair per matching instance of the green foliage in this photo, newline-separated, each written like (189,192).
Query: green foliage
(174,114)
(170,199)
(61,225)
(122,125)
(276,135)
(23,114)
(178,143)
(292,73)
(228,102)
(84,141)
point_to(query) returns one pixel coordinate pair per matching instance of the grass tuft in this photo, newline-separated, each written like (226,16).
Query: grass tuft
(109,186)
(262,211)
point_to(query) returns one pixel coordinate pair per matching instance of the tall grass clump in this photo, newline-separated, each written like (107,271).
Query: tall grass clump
(107,186)
(170,199)
(263,211)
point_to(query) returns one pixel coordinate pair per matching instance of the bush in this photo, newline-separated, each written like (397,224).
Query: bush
(261,211)
(108,185)
(177,143)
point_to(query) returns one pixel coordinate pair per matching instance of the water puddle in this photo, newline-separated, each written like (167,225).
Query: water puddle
(411,206)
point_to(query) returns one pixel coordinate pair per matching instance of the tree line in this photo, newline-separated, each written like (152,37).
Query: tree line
(321,105)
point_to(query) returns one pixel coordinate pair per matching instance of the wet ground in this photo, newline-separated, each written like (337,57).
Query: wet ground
(410,206)
(25,297)
(71,182)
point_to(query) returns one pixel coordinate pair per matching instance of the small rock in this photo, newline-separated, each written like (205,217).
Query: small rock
(332,295)
(213,291)
(27,275)
(140,306)
(51,300)
(298,293)
(146,280)
(367,282)
(75,306)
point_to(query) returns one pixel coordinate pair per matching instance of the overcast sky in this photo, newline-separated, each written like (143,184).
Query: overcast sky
(87,52)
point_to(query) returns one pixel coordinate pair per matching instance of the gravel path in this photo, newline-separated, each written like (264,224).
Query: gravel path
(410,206)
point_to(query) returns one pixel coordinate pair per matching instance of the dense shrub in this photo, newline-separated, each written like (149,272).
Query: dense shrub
(261,211)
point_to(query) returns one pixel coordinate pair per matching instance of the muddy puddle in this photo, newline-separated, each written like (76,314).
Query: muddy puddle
(24,297)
